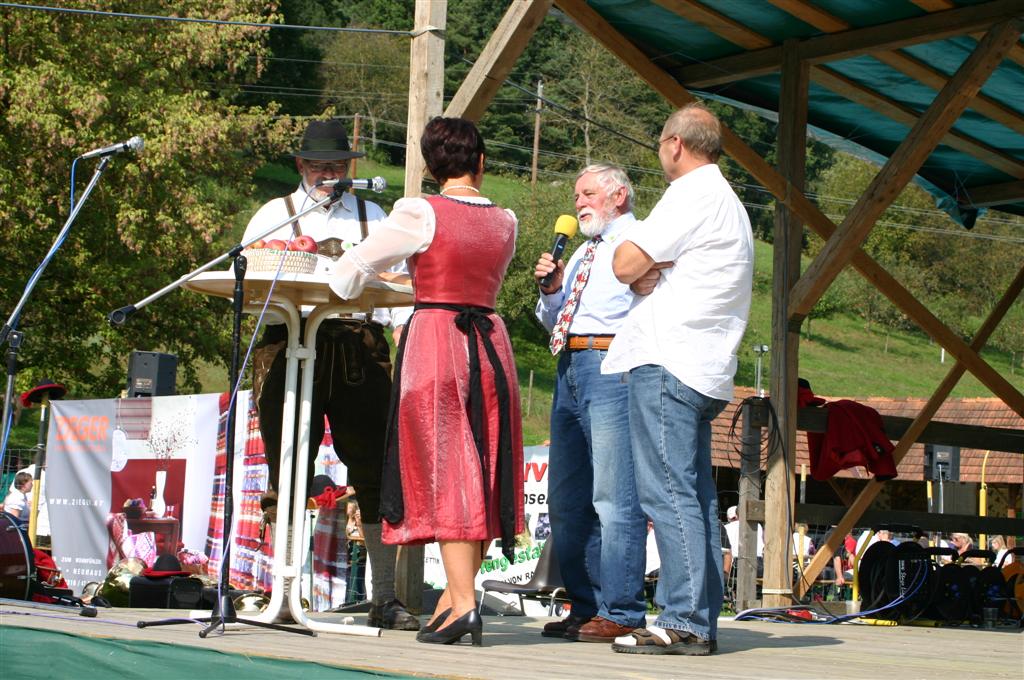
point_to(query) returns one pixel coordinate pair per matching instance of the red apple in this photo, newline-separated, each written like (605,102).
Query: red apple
(276,244)
(303,243)
(258,244)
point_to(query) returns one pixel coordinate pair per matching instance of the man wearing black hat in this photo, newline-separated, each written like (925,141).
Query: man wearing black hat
(352,384)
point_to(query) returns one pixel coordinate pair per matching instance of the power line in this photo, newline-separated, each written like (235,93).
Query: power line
(191,20)
(767,207)
(313,92)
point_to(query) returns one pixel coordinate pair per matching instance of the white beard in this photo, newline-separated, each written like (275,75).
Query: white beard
(596,225)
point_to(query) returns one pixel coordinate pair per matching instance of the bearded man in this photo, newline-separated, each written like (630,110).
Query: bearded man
(596,522)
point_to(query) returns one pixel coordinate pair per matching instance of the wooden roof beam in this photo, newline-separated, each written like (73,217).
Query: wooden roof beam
(942,392)
(856,92)
(992,195)
(731,30)
(926,134)
(497,59)
(902,62)
(1016,54)
(580,12)
(934,5)
(854,42)
(842,85)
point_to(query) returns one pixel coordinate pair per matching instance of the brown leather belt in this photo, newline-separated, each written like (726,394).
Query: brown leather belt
(580,342)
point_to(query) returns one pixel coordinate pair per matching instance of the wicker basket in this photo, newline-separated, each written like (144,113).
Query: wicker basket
(267,260)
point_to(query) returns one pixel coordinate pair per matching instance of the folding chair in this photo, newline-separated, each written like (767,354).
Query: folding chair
(546,583)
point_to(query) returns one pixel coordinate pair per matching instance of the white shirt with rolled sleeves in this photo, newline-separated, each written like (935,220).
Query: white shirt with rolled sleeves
(341,221)
(605,301)
(693,321)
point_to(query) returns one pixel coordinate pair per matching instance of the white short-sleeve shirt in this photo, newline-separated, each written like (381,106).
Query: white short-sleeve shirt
(693,321)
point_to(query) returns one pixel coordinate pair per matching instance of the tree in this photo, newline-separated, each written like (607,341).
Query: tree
(65,87)
(289,71)
(368,73)
(953,271)
(605,97)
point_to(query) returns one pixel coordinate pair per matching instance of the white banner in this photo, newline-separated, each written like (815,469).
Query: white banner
(496,567)
(143,477)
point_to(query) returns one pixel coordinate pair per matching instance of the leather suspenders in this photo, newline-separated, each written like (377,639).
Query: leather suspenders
(360,209)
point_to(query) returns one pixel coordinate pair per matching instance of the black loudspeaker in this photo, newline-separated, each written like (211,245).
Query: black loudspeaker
(170,592)
(151,374)
(942,462)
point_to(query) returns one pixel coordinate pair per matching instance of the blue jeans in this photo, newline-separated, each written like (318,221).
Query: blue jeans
(671,433)
(599,530)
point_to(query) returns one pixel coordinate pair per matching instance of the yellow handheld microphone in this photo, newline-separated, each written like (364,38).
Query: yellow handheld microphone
(565,229)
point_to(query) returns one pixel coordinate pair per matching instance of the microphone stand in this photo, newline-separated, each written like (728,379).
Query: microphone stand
(15,338)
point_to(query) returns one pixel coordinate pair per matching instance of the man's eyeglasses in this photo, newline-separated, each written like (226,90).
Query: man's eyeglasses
(326,166)
(665,139)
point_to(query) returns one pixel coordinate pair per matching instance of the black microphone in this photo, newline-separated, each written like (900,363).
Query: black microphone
(119,316)
(565,229)
(134,144)
(377,184)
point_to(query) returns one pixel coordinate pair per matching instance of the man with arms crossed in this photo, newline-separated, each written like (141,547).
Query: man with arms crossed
(694,254)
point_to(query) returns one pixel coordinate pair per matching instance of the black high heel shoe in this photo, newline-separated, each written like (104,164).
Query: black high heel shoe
(470,622)
(432,626)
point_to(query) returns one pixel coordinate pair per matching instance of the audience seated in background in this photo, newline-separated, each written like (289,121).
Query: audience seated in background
(997,544)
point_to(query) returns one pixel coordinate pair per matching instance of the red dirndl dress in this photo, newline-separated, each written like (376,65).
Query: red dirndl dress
(447,477)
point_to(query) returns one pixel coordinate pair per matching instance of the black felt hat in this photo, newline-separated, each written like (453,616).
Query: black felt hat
(165,565)
(45,388)
(326,140)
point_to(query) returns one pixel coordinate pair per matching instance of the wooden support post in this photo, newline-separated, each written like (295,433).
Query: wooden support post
(353,164)
(749,492)
(780,484)
(426,90)
(868,494)
(426,84)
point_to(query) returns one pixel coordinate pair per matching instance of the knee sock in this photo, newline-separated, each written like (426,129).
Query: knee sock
(382,564)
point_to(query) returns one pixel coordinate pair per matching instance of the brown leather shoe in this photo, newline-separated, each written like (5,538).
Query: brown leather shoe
(563,628)
(600,629)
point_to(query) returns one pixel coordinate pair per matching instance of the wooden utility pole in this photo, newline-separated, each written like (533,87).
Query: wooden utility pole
(536,133)
(426,84)
(355,147)
(497,58)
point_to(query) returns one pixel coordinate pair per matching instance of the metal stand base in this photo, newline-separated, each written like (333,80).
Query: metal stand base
(222,614)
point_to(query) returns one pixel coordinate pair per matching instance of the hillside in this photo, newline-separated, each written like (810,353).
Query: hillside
(842,357)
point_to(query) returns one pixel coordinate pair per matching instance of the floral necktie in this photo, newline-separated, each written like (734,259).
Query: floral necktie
(561,329)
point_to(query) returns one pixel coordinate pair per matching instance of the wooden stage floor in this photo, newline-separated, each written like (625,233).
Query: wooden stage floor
(513,648)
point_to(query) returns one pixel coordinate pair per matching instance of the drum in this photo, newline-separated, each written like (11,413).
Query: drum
(15,560)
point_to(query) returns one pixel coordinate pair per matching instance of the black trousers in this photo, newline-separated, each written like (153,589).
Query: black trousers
(352,387)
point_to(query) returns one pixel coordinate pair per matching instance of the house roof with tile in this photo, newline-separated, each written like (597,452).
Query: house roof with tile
(1000,468)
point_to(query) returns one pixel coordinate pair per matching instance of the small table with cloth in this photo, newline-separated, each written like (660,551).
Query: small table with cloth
(290,293)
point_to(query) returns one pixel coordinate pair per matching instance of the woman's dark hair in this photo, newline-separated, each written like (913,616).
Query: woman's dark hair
(452,147)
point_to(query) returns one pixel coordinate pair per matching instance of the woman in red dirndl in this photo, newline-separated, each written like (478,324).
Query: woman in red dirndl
(453,470)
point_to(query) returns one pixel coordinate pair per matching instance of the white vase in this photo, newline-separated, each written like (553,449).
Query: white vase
(159,506)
